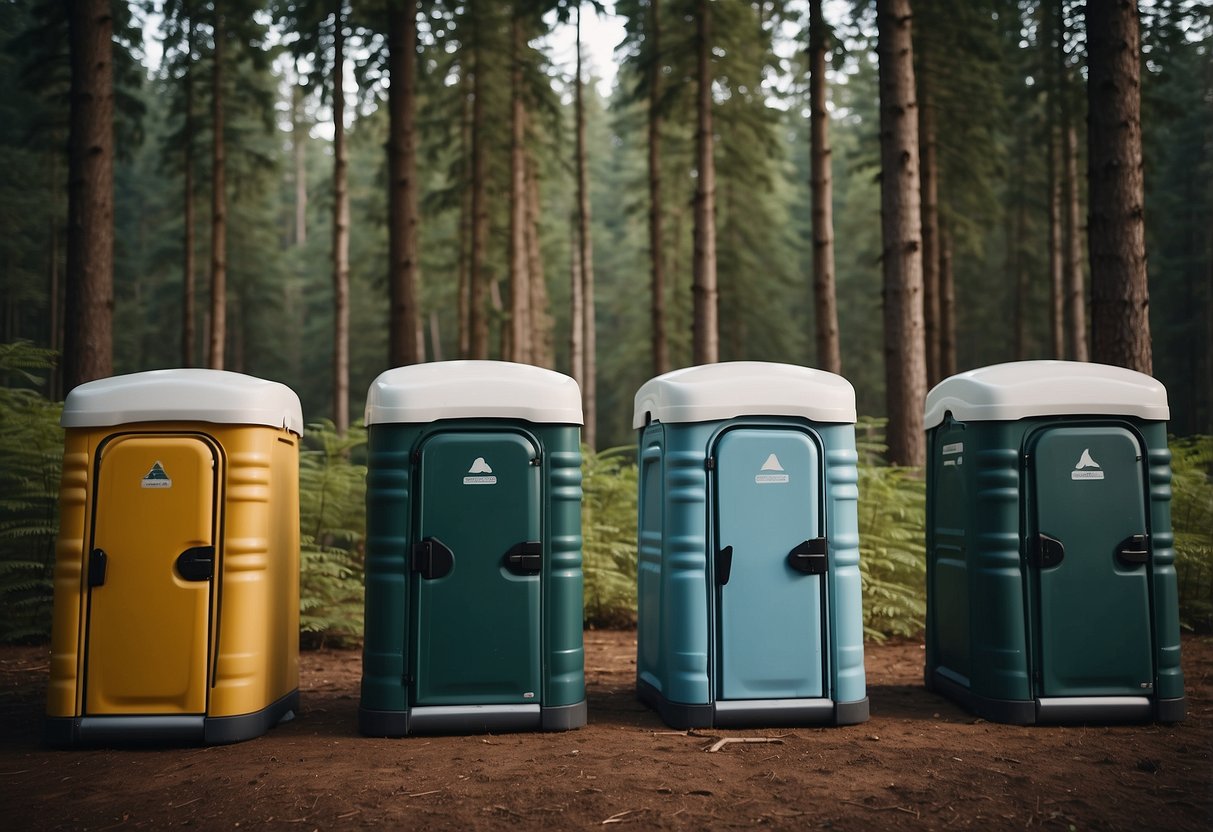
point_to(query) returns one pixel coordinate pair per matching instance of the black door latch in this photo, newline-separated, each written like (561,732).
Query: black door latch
(1048,551)
(432,559)
(810,557)
(197,563)
(1134,550)
(525,558)
(97,561)
(724,565)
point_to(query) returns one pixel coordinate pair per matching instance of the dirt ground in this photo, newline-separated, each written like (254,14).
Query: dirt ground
(920,763)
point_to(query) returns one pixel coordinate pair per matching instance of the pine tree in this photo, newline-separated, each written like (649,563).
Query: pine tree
(829,356)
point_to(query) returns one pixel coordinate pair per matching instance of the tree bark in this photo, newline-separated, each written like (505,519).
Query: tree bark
(464,278)
(829,355)
(541,317)
(589,393)
(299,157)
(217,338)
(188,308)
(1076,331)
(930,236)
(1120,298)
(405,336)
(705,340)
(901,218)
(1057,299)
(947,304)
(88,335)
(660,341)
(478,322)
(576,306)
(520,290)
(341,234)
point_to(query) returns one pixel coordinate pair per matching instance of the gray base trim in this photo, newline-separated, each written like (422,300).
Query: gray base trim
(563,717)
(754,712)
(1171,710)
(674,714)
(1067,709)
(383,723)
(466,719)
(156,729)
(1011,711)
(851,713)
(225,729)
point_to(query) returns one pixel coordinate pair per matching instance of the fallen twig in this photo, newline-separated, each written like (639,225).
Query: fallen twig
(619,816)
(719,744)
(423,794)
(893,808)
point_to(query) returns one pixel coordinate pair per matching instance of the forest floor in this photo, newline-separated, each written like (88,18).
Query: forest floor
(919,763)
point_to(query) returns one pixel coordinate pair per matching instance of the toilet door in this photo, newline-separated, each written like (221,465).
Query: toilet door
(149,570)
(1089,553)
(476,570)
(769,565)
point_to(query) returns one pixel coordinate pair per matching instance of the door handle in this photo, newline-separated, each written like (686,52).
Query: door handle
(525,558)
(432,559)
(1048,551)
(810,557)
(197,563)
(724,565)
(97,561)
(1134,550)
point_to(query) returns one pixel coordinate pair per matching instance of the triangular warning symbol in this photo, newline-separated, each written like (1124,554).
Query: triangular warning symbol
(1085,460)
(772,464)
(480,467)
(157,472)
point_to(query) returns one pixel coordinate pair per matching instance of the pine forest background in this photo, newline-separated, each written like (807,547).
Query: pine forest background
(526,178)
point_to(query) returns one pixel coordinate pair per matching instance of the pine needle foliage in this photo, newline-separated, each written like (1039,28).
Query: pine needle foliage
(31,458)
(332,519)
(608,527)
(1192,522)
(892,539)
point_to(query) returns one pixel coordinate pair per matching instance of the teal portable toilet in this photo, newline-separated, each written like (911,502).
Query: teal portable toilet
(473,551)
(1051,591)
(749,603)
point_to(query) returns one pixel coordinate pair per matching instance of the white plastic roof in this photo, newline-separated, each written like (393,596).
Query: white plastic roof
(1017,390)
(711,392)
(473,390)
(186,395)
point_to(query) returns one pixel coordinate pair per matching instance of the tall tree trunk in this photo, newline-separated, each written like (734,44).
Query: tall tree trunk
(1076,306)
(930,235)
(947,304)
(576,306)
(464,286)
(829,355)
(88,335)
(901,231)
(541,317)
(589,393)
(660,342)
(1016,246)
(1076,313)
(299,157)
(341,234)
(188,309)
(705,340)
(520,290)
(1054,71)
(217,337)
(405,337)
(54,389)
(1057,295)
(478,323)
(1120,298)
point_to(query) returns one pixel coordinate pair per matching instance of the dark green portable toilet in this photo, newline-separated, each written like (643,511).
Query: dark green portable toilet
(1051,590)
(473,551)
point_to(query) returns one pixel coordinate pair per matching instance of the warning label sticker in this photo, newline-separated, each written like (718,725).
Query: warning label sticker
(157,477)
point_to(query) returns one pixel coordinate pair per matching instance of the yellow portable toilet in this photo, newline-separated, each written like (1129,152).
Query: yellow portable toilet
(177,563)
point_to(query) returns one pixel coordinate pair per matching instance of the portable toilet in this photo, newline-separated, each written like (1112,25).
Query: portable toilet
(1051,590)
(748,592)
(473,551)
(176,614)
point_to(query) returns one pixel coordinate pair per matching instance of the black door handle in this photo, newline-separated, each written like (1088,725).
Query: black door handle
(197,563)
(1048,551)
(1134,550)
(724,565)
(810,557)
(525,558)
(432,559)
(97,561)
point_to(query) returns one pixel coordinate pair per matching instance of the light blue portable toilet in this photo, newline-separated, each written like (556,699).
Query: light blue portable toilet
(749,602)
